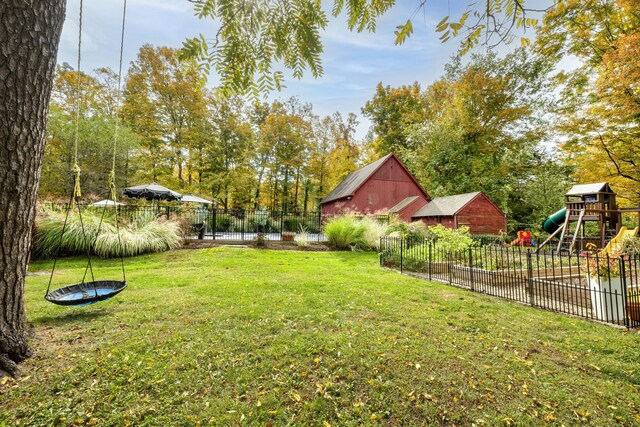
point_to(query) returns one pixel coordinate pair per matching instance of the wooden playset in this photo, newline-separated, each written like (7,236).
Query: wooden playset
(587,204)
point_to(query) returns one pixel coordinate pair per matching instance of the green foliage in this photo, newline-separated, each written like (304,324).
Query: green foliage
(165,104)
(292,224)
(346,232)
(486,135)
(142,235)
(254,38)
(96,129)
(598,113)
(392,112)
(454,240)
(222,223)
(355,232)
(373,232)
(631,246)
(416,231)
(261,222)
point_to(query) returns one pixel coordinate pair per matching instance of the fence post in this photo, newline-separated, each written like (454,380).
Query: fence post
(214,226)
(530,279)
(244,214)
(449,268)
(471,285)
(623,277)
(401,248)
(430,261)
(281,224)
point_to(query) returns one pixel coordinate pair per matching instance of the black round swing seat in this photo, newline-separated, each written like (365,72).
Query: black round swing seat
(86,293)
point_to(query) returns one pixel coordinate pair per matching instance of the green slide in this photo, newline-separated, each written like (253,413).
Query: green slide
(554,221)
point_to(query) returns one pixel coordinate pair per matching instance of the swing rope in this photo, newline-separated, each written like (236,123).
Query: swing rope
(77,191)
(112,174)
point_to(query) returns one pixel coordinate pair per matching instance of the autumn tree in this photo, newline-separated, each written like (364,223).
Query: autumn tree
(392,112)
(96,124)
(228,151)
(319,164)
(288,137)
(599,112)
(483,122)
(164,103)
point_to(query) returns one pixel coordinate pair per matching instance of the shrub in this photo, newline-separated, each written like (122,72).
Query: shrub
(451,240)
(237,225)
(261,240)
(222,222)
(374,230)
(631,246)
(143,234)
(260,222)
(346,232)
(292,224)
(302,238)
(416,230)
(312,225)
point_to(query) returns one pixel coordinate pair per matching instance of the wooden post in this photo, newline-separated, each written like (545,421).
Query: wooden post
(575,235)
(564,229)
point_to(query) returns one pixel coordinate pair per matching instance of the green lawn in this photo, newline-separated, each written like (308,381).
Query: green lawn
(255,337)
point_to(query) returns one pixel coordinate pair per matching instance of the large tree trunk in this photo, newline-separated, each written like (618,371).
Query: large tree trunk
(29,36)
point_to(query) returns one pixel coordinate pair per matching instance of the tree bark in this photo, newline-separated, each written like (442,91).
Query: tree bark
(29,36)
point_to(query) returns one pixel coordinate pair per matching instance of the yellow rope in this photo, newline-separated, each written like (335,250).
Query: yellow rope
(77,191)
(112,185)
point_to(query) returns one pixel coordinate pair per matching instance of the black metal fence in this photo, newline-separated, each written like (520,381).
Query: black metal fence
(592,286)
(205,223)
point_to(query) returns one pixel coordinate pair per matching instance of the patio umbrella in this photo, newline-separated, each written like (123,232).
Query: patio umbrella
(107,202)
(190,198)
(152,191)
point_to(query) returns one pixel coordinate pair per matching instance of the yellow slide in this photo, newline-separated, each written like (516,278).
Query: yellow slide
(616,243)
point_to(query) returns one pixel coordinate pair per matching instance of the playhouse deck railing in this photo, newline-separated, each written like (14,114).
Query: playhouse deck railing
(601,288)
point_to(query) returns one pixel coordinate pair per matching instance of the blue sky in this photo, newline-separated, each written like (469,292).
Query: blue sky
(353,63)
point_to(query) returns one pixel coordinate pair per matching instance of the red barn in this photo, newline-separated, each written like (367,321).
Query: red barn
(377,186)
(475,210)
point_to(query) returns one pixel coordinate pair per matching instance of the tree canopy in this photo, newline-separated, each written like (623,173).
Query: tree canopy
(255,41)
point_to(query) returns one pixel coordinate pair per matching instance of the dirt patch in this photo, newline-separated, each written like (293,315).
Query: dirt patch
(273,245)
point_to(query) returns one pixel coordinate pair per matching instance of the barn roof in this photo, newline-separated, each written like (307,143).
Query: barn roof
(403,204)
(581,189)
(445,206)
(355,179)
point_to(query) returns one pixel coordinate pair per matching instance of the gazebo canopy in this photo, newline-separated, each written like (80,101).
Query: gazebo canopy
(107,202)
(190,198)
(152,191)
